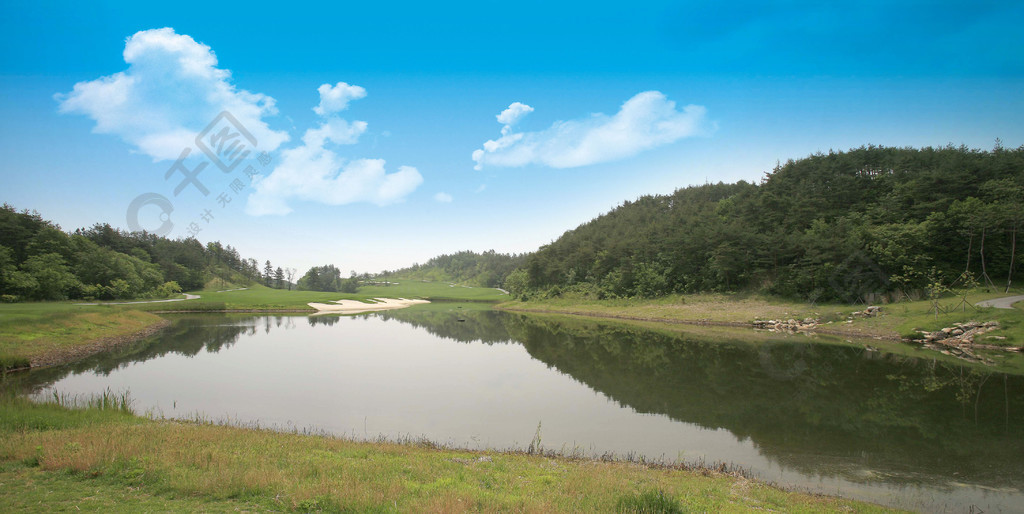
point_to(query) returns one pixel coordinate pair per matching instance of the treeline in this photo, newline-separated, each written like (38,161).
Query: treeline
(328,278)
(843,226)
(487,269)
(39,261)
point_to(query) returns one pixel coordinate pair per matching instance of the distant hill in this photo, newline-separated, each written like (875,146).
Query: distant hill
(487,269)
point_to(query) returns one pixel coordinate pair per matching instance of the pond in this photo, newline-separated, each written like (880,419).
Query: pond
(818,415)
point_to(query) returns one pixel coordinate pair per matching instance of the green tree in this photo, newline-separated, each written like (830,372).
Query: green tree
(53,279)
(517,283)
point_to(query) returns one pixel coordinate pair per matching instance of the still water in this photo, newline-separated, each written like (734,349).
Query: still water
(905,431)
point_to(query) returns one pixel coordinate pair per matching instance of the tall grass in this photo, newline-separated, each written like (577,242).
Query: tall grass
(654,501)
(104,401)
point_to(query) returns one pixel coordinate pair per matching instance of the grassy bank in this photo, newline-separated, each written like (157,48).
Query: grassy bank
(897,320)
(56,458)
(50,333)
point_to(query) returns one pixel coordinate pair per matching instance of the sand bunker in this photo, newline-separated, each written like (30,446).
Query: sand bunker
(355,306)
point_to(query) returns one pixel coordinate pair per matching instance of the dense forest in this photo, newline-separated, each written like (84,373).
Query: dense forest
(487,269)
(849,226)
(39,261)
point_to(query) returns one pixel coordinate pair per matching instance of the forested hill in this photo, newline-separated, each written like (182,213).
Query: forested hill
(39,261)
(487,269)
(846,225)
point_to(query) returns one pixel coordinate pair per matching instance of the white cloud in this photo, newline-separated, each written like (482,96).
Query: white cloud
(336,99)
(646,121)
(171,90)
(481,188)
(335,130)
(510,116)
(312,172)
(443,197)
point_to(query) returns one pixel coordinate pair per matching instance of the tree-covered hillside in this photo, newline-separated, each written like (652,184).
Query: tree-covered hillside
(39,261)
(843,226)
(487,269)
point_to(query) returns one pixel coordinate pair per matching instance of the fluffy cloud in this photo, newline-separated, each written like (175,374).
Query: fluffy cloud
(313,172)
(336,99)
(513,114)
(646,121)
(171,90)
(443,197)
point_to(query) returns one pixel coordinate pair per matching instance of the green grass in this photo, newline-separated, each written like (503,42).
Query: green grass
(258,297)
(30,332)
(434,291)
(100,458)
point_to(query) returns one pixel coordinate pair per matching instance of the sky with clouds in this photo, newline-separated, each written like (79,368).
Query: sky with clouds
(374,136)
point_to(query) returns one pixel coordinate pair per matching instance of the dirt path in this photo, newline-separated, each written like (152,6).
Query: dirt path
(1001,303)
(187,297)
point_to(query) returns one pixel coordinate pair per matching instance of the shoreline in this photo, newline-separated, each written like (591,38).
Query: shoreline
(92,347)
(698,322)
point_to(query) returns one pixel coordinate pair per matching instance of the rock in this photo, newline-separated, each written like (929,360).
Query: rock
(947,330)
(957,332)
(990,324)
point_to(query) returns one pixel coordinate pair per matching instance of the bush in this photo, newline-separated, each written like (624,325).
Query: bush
(168,289)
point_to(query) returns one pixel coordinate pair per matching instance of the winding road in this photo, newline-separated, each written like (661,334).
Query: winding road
(1001,303)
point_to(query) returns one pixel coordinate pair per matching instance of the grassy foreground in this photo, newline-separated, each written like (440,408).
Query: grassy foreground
(102,456)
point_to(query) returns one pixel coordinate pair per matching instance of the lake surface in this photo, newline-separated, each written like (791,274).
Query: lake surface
(831,418)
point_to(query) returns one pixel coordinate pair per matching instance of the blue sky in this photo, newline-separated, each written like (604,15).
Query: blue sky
(381,122)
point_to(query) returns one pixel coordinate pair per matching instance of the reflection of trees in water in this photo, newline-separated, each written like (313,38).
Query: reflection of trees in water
(819,408)
(185,336)
(802,403)
(456,323)
(326,319)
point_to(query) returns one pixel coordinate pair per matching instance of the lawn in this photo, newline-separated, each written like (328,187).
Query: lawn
(258,297)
